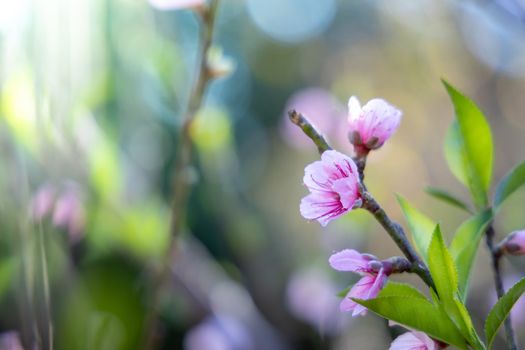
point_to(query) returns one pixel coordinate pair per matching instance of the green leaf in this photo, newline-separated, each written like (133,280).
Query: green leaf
(501,311)
(420,225)
(443,271)
(468,146)
(447,198)
(419,314)
(396,289)
(464,247)
(510,183)
(442,266)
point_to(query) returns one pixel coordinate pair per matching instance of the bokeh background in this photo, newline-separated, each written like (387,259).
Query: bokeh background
(92,95)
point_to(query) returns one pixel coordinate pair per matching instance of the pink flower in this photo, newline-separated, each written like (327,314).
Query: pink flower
(414,341)
(42,202)
(63,205)
(373,280)
(176,4)
(371,125)
(334,185)
(514,244)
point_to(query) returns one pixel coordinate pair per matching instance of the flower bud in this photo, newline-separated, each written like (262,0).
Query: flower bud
(218,65)
(372,124)
(514,244)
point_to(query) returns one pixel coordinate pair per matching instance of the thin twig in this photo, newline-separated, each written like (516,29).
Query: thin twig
(310,131)
(182,170)
(46,289)
(398,235)
(495,255)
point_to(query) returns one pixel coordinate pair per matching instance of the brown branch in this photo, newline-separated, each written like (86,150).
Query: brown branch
(495,254)
(181,176)
(398,235)
(302,122)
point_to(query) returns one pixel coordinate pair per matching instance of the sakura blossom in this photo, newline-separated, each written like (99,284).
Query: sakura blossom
(414,341)
(372,124)
(373,280)
(334,187)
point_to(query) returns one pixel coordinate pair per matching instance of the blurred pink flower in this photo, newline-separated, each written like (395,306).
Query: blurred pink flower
(218,333)
(312,297)
(42,202)
(69,213)
(373,124)
(10,341)
(373,280)
(334,185)
(514,244)
(176,4)
(65,206)
(321,109)
(414,341)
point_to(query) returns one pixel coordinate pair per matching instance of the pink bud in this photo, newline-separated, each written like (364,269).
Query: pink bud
(514,244)
(334,187)
(373,280)
(371,125)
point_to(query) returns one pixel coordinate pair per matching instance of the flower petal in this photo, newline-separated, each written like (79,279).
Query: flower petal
(349,260)
(413,341)
(347,190)
(338,165)
(321,207)
(354,108)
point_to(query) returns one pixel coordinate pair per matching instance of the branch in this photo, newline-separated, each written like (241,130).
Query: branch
(397,233)
(495,255)
(181,179)
(309,130)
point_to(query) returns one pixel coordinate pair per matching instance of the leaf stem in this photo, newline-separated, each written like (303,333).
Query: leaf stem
(495,255)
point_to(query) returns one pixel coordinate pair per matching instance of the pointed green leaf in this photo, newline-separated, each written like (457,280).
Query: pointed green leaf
(443,271)
(396,289)
(420,225)
(501,311)
(417,313)
(454,153)
(468,146)
(446,197)
(464,247)
(442,266)
(510,183)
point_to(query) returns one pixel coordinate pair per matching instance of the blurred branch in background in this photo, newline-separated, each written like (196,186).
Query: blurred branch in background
(182,171)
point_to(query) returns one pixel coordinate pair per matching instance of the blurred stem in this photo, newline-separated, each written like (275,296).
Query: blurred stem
(395,230)
(495,255)
(45,285)
(182,170)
